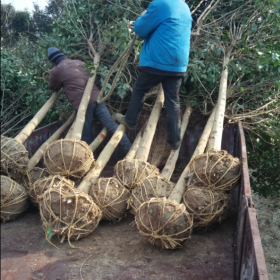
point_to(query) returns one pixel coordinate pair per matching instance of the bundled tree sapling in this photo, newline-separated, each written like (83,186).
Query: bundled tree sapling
(70,211)
(217,169)
(40,152)
(158,186)
(165,222)
(131,171)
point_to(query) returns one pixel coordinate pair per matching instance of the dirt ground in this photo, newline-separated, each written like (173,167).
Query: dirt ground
(268,210)
(116,252)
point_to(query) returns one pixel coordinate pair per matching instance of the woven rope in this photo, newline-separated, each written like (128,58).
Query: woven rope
(210,213)
(148,188)
(108,197)
(209,179)
(8,201)
(134,167)
(83,167)
(43,184)
(80,224)
(33,175)
(14,157)
(158,235)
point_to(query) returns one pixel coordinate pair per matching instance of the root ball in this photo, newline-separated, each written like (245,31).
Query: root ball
(156,186)
(69,158)
(69,212)
(14,158)
(131,172)
(207,205)
(14,199)
(34,175)
(217,170)
(40,186)
(111,197)
(165,223)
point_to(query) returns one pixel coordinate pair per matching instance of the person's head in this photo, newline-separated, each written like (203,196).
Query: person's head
(54,54)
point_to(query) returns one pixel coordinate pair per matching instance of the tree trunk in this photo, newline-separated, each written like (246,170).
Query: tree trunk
(28,129)
(172,159)
(215,141)
(143,151)
(179,189)
(80,119)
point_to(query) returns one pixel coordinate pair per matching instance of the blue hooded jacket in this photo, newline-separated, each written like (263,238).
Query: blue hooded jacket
(166,30)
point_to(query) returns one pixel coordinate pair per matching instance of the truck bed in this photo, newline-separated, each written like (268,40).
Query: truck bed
(230,250)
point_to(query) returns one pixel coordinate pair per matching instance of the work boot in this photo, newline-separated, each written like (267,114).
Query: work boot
(120,118)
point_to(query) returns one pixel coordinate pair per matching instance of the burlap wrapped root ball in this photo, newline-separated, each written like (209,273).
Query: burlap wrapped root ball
(69,158)
(150,187)
(218,170)
(14,158)
(14,199)
(34,175)
(69,212)
(111,197)
(206,205)
(131,171)
(40,186)
(165,223)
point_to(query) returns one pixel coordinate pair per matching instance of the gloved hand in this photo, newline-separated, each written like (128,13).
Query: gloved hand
(131,26)
(143,13)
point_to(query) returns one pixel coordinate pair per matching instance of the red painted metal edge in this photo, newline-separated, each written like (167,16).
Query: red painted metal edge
(253,263)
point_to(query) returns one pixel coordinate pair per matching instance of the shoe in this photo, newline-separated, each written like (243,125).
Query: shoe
(174,147)
(120,118)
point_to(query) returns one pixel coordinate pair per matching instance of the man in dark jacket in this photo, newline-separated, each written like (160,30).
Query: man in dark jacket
(72,77)
(166,29)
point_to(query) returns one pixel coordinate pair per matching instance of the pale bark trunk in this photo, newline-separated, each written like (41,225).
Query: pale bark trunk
(102,160)
(172,159)
(38,155)
(215,141)
(68,135)
(80,119)
(144,149)
(134,148)
(29,128)
(179,189)
(99,139)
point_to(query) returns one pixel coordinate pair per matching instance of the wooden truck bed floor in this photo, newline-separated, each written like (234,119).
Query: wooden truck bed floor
(116,252)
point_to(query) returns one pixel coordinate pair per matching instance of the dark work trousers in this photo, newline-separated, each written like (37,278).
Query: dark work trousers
(170,84)
(101,112)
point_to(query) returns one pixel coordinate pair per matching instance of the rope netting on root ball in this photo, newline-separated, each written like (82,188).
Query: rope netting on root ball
(68,212)
(34,175)
(150,187)
(69,158)
(206,205)
(165,223)
(43,184)
(218,170)
(111,197)
(131,171)
(14,158)
(14,199)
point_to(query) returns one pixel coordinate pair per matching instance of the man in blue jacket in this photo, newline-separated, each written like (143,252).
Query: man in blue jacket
(166,29)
